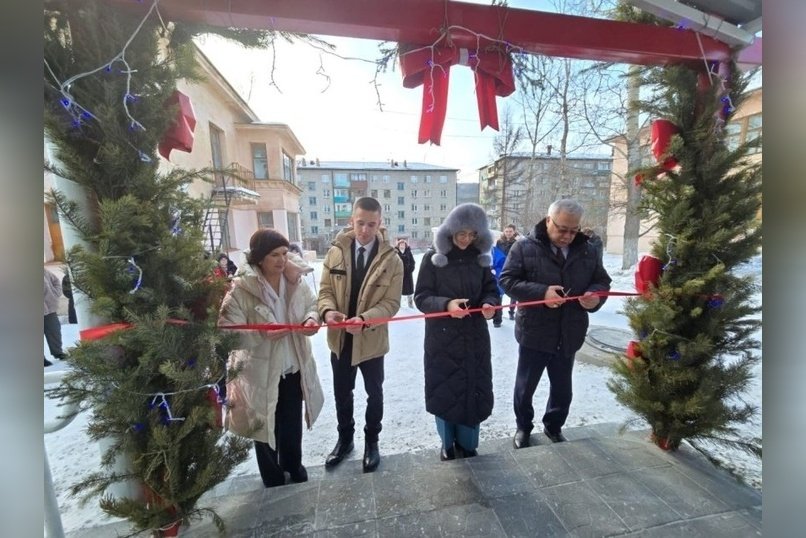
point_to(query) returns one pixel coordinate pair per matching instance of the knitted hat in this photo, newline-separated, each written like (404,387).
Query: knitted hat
(464,217)
(262,242)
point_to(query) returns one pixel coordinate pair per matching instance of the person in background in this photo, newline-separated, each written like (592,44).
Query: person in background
(552,262)
(53,327)
(407,258)
(594,240)
(362,278)
(455,276)
(67,291)
(500,251)
(276,368)
(220,270)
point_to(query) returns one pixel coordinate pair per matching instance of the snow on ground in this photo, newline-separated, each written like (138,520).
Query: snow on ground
(407,426)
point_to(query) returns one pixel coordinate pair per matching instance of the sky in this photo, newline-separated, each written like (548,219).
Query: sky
(335,115)
(407,427)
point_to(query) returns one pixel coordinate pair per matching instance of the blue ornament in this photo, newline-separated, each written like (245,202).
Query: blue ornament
(137,427)
(674,356)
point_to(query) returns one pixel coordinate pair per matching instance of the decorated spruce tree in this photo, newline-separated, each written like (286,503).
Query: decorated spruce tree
(152,387)
(695,350)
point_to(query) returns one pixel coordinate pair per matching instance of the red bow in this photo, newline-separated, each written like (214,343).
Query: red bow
(180,134)
(430,66)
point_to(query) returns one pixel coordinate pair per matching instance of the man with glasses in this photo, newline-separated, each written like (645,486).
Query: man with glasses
(553,262)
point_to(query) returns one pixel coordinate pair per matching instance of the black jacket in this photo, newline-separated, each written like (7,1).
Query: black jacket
(458,369)
(528,271)
(408,270)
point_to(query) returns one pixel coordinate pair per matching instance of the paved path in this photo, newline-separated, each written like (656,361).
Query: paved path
(599,483)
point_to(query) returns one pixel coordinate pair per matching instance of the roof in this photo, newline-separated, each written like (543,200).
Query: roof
(369,165)
(553,156)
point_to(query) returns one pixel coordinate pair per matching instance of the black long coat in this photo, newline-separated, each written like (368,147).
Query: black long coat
(458,369)
(530,268)
(408,270)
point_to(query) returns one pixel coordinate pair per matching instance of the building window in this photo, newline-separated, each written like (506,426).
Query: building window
(288,169)
(443,194)
(426,221)
(326,193)
(386,179)
(414,193)
(428,179)
(443,207)
(443,179)
(414,207)
(401,214)
(426,207)
(603,165)
(216,138)
(312,200)
(328,223)
(314,230)
(293,226)
(374,179)
(374,193)
(414,179)
(401,186)
(753,131)
(401,228)
(401,200)
(427,234)
(387,208)
(414,220)
(387,221)
(326,209)
(426,193)
(312,185)
(325,178)
(387,193)
(358,177)
(414,235)
(314,216)
(265,220)
(260,163)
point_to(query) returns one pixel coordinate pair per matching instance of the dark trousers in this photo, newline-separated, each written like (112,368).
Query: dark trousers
(53,334)
(499,314)
(343,385)
(531,364)
(287,435)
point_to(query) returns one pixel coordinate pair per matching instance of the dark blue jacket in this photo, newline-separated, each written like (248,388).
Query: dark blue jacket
(458,369)
(531,268)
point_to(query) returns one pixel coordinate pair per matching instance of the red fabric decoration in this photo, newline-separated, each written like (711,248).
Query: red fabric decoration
(154,500)
(647,273)
(218,408)
(633,352)
(639,178)
(430,66)
(660,136)
(180,134)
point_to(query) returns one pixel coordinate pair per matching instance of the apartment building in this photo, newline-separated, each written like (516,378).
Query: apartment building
(744,125)
(415,197)
(518,188)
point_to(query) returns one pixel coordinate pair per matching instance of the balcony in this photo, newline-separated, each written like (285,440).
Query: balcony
(236,186)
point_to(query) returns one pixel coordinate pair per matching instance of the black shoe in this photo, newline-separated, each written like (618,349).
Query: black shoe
(48,363)
(371,457)
(462,452)
(521,439)
(511,315)
(447,454)
(555,437)
(61,356)
(496,324)
(342,448)
(300,475)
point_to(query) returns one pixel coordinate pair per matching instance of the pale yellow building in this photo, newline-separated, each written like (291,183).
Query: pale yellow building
(228,135)
(745,124)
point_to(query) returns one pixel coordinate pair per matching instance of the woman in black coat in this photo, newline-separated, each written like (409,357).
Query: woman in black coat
(455,276)
(407,258)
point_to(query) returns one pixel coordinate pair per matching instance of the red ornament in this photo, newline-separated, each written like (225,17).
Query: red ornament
(430,66)
(633,352)
(660,137)
(647,274)
(218,407)
(639,178)
(180,134)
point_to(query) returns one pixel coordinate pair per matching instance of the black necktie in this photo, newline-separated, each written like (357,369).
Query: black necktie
(359,266)
(559,256)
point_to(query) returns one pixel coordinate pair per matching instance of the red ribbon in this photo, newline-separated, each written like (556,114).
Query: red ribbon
(99,332)
(430,66)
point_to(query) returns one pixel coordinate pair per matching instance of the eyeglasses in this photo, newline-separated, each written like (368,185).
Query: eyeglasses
(564,230)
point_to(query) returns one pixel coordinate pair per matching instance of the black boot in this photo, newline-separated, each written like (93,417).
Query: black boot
(299,475)
(342,448)
(521,439)
(372,457)
(447,454)
(462,452)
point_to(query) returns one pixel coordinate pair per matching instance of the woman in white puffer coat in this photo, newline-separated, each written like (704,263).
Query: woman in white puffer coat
(277,368)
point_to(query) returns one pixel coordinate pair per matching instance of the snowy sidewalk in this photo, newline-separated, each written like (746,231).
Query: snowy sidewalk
(597,484)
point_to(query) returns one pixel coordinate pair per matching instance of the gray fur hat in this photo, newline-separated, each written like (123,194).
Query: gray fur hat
(463,217)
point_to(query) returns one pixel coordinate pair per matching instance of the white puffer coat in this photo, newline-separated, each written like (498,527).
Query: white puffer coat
(252,394)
